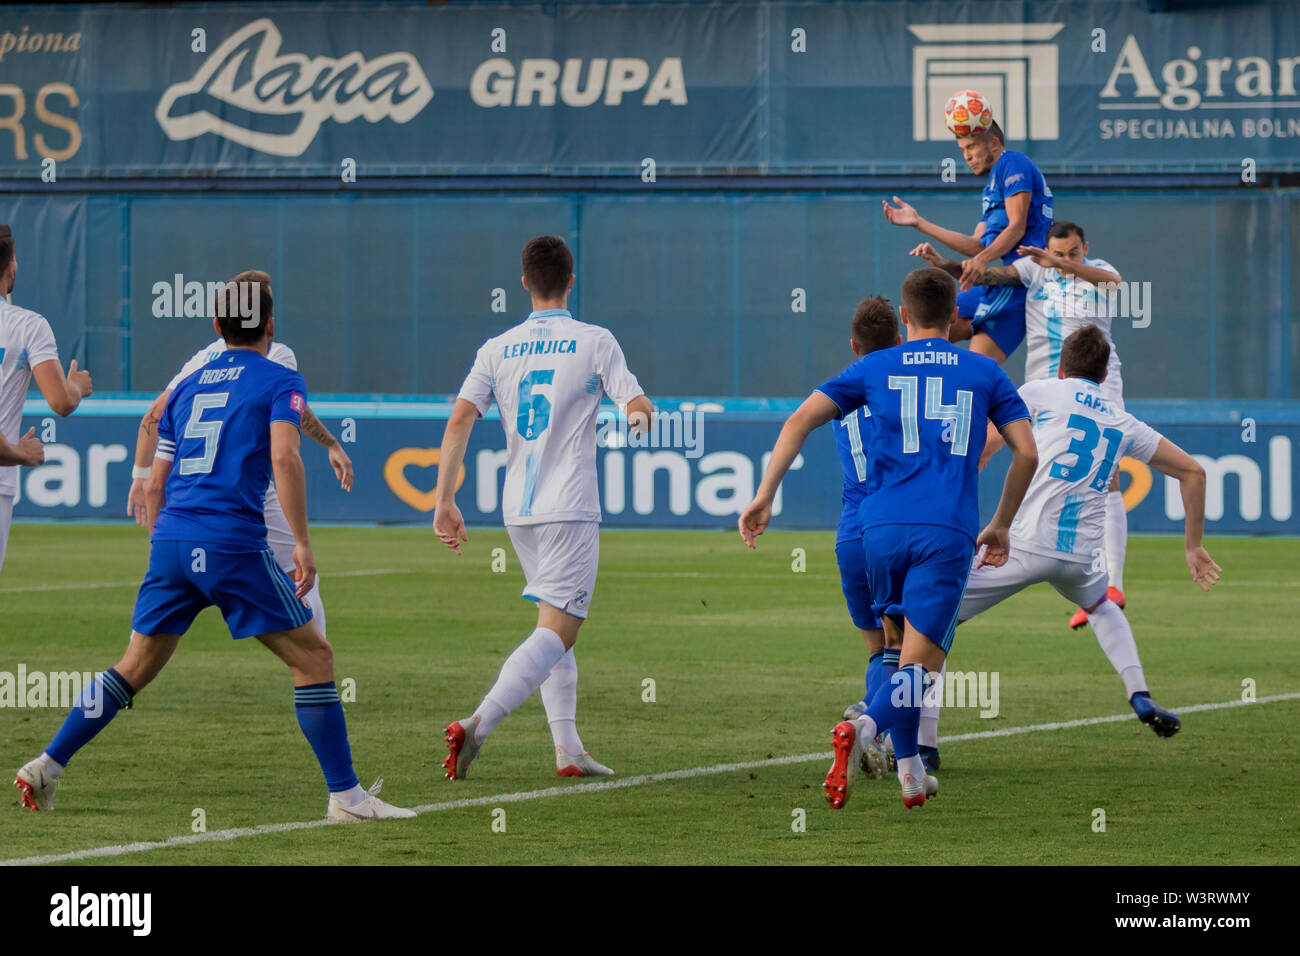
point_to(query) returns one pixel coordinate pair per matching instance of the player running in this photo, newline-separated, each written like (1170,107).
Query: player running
(546,376)
(927,402)
(1017,211)
(27,351)
(279,536)
(227,428)
(874,327)
(1081,435)
(1064,293)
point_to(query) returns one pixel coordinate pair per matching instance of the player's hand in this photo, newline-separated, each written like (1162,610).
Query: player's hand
(79,379)
(342,465)
(135,503)
(928,253)
(304,565)
(971,271)
(449,526)
(900,215)
(1048,260)
(996,543)
(754,520)
(31,449)
(1204,571)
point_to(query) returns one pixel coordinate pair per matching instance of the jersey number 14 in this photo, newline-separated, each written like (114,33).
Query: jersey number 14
(959,414)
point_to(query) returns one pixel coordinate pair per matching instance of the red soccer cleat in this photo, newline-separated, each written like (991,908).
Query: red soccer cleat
(844,769)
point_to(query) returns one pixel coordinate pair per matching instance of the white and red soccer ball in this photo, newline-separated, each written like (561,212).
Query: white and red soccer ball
(967,114)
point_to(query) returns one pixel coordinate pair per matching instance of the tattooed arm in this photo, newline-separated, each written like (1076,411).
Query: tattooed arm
(314,429)
(991,275)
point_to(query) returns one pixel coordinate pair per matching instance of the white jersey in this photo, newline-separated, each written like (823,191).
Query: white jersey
(26,341)
(547,375)
(1055,306)
(279,536)
(1081,438)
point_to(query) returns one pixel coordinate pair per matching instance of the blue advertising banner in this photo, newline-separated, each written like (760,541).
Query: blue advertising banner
(358,90)
(697,469)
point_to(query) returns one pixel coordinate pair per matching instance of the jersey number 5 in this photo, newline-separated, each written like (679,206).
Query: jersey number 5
(210,432)
(935,410)
(534,410)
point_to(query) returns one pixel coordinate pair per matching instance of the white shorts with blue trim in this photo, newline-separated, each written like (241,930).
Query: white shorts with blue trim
(1075,581)
(559,561)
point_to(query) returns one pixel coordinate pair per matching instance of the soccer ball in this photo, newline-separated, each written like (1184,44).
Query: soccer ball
(967,114)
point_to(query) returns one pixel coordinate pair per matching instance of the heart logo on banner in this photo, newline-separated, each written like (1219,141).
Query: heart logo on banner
(395,475)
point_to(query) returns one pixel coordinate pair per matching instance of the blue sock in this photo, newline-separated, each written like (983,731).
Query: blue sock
(889,663)
(873,676)
(892,705)
(320,715)
(98,704)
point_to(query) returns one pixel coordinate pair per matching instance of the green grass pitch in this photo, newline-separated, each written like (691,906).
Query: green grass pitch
(749,660)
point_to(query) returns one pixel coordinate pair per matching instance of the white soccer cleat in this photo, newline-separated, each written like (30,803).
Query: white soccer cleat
(855,710)
(371,808)
(35,785)
(578,765)
(874,763)
(887,745)
(916,792)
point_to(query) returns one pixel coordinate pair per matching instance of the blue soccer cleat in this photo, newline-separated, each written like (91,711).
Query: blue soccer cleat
(1165,723)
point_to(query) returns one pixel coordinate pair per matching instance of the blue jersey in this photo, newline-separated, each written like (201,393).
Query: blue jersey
(853,465)
(1016,173)
(217,428)
(927,403)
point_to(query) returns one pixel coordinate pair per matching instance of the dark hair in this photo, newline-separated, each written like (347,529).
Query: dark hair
(1085,354)
(241,319)
(929,296)
(1063,230)
(996,132)
(6,246)
(874,324)
(547,263)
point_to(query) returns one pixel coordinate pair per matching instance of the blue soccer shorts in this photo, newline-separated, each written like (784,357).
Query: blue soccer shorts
(853,579)
(996,310)
(919,572)
(255,596)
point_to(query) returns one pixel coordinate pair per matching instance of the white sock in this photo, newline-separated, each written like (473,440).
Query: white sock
(525,669)
(912,765)
(349,798)
(560,698)
(927,734)
(1116,638)
(1116,538)
(53,769)
(866,728)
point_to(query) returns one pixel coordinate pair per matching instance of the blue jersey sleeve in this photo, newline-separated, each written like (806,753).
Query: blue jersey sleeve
(847,390)
(1016,175)
(1005,403)
(289,399)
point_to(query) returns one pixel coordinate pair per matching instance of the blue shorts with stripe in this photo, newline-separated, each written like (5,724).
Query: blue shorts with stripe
(919,571)
(255,596)
(996,310)
(853,580)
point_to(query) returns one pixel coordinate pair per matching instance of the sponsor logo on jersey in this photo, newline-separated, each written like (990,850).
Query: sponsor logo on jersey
(297,402)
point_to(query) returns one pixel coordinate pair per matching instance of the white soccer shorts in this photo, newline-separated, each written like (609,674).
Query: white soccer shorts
(279,538)
(6,519)
(1077,583)
(559,561)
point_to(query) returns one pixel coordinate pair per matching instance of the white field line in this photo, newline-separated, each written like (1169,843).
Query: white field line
(365,572)
(570,789)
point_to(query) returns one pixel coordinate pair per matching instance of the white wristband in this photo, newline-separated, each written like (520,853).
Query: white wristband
(140,474)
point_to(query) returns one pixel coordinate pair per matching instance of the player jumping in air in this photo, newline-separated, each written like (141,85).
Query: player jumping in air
(279,536)
(1017,211)
(1064,293)
(874,327)
(27,351)
(546,376)
(927,403)
(1081,435)
(227,428)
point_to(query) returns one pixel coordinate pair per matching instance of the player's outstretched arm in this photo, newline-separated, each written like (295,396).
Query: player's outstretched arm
(816,411)
(1024,462)
(315,429)
(62,393)
(448,523)
(1173,461)
(992,275)
(905,215)
(28,450)
(146,443)
(1050,260)
(291,487)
